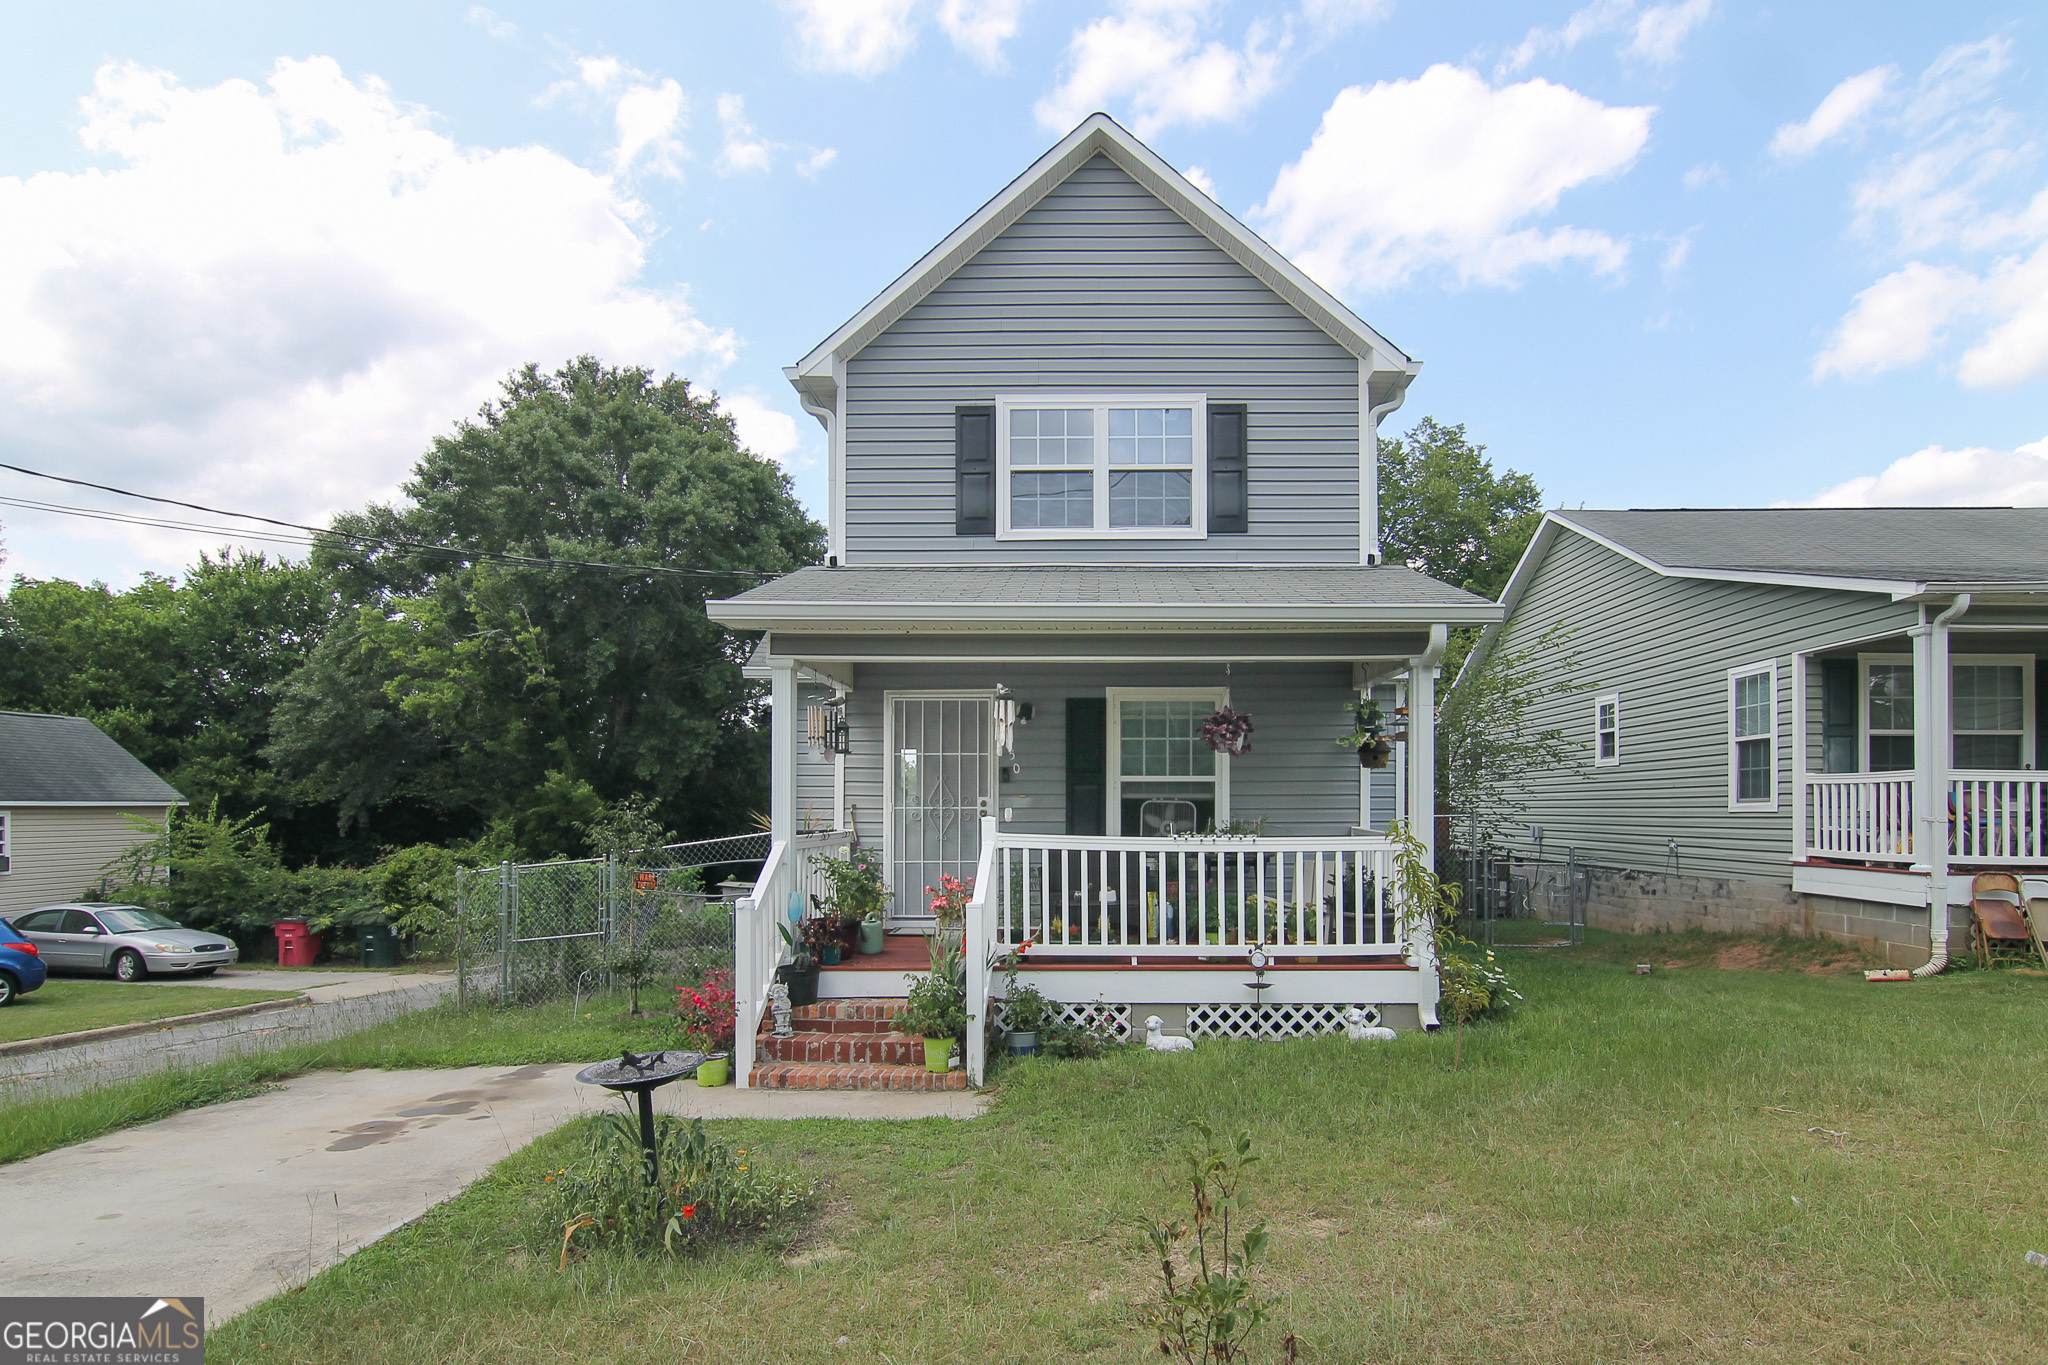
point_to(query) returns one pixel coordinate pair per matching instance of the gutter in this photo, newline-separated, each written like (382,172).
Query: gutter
(1937,886)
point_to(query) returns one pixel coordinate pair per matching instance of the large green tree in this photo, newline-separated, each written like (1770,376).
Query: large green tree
(460,691)
(1445,511)
(183,673)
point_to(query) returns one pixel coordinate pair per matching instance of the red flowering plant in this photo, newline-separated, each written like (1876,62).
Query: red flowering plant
(949,901)
(1226,731)
(709,1011)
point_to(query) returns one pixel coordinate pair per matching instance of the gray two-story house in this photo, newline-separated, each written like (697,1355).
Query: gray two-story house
(1102,467)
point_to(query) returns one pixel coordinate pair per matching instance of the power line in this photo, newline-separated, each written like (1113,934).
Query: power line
(315,535)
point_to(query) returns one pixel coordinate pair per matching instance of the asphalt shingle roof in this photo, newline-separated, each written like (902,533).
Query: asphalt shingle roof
(1101,585)
(1917,544)
(55,759)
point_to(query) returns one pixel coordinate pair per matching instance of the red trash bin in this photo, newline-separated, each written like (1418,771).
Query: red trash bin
(297,945)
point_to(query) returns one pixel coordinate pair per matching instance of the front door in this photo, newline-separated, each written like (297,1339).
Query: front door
(941,761)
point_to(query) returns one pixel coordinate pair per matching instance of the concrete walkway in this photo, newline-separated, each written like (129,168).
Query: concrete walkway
(240,1201)
(319,986)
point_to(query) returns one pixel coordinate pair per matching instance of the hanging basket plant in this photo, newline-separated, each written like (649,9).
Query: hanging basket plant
(1368,734)
(1226,731)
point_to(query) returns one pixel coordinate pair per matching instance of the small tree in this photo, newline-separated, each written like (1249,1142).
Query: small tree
(626,833)
(1488,742)
(1208,1307)
(1466,986)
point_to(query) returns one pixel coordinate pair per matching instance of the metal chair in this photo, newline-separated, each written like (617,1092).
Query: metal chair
(1997,927)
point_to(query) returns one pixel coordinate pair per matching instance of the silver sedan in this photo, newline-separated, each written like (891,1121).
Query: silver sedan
(126,940)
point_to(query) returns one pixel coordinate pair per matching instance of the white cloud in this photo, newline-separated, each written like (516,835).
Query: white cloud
(817,161)
(1678,252)
(763,429)
(1653,35)
(1705,174)
(1200,179)
(649,119)
(1332,17)
(1448,170)
(1839,114)
(1952,199)
(981,27)
(857,37)
(1155,58)
(273,297)
(744,150)
(487,20)
(1938,477)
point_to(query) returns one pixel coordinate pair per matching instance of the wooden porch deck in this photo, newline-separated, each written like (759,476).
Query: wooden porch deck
(907,953)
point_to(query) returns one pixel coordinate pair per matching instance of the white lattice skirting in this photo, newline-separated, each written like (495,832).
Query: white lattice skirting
(1270,1021)
(1093,1014)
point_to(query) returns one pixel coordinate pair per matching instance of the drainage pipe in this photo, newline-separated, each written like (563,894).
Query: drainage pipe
(1937,882)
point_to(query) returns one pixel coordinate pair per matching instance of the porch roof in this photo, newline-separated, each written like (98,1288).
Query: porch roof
(1267,597)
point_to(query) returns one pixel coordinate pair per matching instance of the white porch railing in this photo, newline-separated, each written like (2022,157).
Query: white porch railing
(1859,815)
(788,880)
(1998,817)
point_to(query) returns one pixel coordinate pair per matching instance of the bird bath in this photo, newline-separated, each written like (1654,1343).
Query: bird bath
(642,1074)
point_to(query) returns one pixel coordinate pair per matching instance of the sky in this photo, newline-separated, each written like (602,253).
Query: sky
(1696,253)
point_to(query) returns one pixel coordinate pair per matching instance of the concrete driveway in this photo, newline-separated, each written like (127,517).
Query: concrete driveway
(318,985)
(240,1201)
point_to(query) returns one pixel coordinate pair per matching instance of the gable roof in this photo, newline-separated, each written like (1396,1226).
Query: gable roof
(69,761)
(1072,597)
(1100,135)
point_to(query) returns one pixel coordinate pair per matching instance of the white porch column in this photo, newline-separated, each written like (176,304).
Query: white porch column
(782,749)
(1422,752)
(1801,761)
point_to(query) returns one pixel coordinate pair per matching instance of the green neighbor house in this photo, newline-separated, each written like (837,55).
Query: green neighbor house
(1817,720)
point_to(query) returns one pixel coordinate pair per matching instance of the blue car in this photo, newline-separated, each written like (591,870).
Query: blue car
(21,967)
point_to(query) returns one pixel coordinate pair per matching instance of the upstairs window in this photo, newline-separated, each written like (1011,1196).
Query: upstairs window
(1607,730)
(1111,466)
(1753,737)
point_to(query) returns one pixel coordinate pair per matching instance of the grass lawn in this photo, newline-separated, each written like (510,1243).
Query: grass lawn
(67,1005)
(1696,1165)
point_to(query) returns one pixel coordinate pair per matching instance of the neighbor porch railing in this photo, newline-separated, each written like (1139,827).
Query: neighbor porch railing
(782,896)
(1993,817)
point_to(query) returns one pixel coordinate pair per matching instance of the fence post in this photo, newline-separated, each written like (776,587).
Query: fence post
(461,946)
(505,932)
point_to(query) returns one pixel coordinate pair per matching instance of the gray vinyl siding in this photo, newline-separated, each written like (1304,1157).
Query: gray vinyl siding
(816,772)
(1100,287)
(1666,645)
(1296,774)
(58,852)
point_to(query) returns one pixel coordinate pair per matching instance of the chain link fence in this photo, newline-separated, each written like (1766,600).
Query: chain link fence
(1515,899)
(534,932)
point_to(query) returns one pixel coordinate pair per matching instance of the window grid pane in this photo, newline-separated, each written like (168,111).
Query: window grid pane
(1040,500)
(1149,498)
(1753,770)
(1891,697)
(1990,697)
(1752,705)
(1158,739)
(1052,436)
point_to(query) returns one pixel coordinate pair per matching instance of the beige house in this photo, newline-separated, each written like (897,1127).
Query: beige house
(66,792)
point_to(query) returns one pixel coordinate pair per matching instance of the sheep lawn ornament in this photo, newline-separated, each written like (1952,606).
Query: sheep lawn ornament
(1361,1026)
(1159,1042)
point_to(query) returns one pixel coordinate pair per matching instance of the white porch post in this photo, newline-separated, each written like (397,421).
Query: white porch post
(1801,761)
(782,749)
(1422,752)
(1940,726)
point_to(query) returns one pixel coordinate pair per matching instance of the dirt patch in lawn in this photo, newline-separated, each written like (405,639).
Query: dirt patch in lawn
(1729,952)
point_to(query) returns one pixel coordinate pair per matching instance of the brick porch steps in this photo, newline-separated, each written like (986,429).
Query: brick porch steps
(848,1044)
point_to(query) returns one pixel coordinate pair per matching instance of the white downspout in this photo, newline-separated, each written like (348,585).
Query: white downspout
(1936,764)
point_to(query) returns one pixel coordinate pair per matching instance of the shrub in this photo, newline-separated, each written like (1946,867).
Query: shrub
(709,1011)
(708,1191)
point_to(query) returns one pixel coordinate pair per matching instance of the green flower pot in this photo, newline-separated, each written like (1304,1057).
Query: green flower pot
(938,1054)
(714,1070)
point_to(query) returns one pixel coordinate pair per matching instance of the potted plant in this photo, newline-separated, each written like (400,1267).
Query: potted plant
(1368,734)
(800,973)
(1028,1013)
(820,935)
(859,896)
(1226,731)
(935,1009)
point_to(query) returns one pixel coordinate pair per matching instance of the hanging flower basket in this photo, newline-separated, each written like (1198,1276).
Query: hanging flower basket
(1227,731)
(1368,734)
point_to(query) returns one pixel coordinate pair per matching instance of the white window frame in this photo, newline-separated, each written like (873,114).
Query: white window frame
(1198,521)
(1864,734)
(1114,697)
(1600,703)
(2025,663)
(1770,736)
(6,844)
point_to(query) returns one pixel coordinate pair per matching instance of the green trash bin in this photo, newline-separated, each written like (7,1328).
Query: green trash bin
(380,945)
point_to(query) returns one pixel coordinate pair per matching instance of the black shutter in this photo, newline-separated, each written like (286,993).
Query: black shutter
(1228,477)
(1838,720)
(974,471)
(1087,764)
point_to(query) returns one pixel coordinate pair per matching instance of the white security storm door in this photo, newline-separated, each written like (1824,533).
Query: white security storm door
(941,776)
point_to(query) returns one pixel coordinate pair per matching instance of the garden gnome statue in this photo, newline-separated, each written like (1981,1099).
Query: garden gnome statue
(778,1003)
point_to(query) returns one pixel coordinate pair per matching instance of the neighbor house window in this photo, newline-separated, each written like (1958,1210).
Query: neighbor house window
(1990,702)
(6,848)
(1753,737)
(1607,730)
(1887,714)
(1164,779)
(1109,466)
